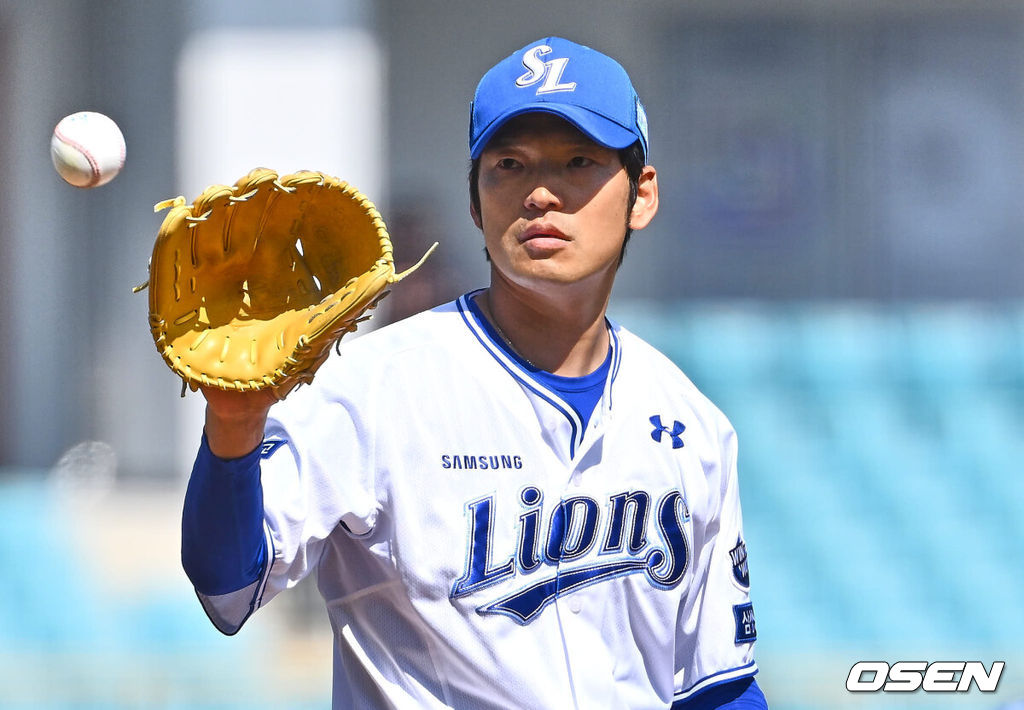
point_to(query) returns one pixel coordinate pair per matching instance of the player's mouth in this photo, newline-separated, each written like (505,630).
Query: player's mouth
(540,230)
(543,237)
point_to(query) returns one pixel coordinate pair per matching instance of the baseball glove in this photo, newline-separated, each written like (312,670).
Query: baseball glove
(251,284)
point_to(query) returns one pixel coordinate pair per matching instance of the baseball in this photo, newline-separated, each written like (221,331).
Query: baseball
(88,149)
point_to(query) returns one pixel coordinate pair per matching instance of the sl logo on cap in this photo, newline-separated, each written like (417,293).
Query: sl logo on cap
(550,72)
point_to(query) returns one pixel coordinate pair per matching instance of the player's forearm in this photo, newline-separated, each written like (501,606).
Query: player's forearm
(223,547)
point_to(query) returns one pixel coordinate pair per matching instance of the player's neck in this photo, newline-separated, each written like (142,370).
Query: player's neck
(565,336)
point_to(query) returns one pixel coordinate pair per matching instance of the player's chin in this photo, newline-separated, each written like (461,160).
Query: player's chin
(543,274)
(538,268)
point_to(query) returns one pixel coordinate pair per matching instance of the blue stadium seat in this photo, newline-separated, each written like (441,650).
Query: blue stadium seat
(843,346)
(948,347)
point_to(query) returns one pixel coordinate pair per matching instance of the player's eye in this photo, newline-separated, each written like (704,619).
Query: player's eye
(580,161)
(507,164)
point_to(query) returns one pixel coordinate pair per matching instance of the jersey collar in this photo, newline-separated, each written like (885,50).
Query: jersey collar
(525,374)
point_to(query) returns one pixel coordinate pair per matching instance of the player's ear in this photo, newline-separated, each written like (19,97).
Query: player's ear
(646,205)
(475,214)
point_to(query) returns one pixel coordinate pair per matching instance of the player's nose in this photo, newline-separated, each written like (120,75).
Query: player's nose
(542,198)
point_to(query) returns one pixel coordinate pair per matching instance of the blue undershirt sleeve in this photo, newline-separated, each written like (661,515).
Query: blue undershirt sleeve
(742,694)
(223,548)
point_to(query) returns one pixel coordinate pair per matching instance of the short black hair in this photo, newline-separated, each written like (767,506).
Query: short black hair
(632,159)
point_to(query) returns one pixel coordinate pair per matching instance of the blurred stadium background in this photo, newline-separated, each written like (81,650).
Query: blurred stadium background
(838,263)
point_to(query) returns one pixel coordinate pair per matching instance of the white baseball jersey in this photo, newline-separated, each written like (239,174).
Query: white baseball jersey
(476,548)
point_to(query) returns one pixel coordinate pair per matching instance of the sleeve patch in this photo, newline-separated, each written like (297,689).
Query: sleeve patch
(746,629)
(739,563)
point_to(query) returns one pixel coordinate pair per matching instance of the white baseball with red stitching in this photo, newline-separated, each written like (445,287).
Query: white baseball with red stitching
(88,149)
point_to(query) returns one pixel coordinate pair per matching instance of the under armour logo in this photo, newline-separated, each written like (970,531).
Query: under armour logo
(550,72)
(659,429)
(269,446)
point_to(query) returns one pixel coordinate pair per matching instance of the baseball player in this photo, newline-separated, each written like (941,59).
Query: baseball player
(509,501)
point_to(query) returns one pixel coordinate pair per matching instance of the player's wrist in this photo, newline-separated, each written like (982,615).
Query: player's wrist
(235,423)
(233,440)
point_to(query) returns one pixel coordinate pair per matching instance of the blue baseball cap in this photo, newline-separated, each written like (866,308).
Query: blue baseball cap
(589,89)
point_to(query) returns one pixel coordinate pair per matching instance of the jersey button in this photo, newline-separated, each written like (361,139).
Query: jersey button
(575,605)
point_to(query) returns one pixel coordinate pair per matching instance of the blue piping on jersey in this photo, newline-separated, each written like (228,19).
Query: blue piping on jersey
(519,373)
(267,569)
(616,357)
(715,679)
